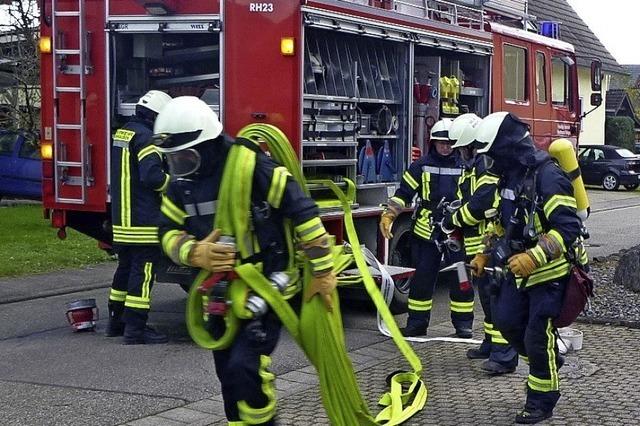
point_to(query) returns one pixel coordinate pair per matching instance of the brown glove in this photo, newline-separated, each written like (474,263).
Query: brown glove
(478,263)
(522,264)
(323,285)
(212,256)
(386,220)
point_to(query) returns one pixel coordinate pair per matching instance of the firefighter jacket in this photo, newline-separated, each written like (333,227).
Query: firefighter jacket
(537,200)
(433,177)
(137,182)
(190,206)
(477,189)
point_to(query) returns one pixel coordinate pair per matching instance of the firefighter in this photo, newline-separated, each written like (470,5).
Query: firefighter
(540,223)
(477,190)
(137,182)
(434,177)
(190,135)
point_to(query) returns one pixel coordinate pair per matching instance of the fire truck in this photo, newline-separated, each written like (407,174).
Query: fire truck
(354,84)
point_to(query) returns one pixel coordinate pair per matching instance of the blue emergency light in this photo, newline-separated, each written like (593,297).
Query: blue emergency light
(549,29)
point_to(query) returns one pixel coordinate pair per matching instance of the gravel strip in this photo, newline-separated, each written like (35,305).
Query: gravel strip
(613,303)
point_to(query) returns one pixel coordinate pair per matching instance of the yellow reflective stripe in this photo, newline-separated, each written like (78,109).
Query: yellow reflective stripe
(239,423)
(136,230)
(277,186)
(263,414)
(420,305)
(487,327)
(117,295)
(310,230)
(410,180)
(185,249)
(540,385)
(426,188)
(321,263)
(487,180)
(125,188)
(557,201)
(168,240)
(124,135)
(137,302)
(151,149)
(399,201)
(524,358)
(496,336)
(551,344)
(549,272)
(127,239)
(467,217)
(165,184)
(148,276)
(538,255)
(173,212)
(461,306)
(556,235)
(422,227)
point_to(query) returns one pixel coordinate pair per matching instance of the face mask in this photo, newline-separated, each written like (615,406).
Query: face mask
(183,163)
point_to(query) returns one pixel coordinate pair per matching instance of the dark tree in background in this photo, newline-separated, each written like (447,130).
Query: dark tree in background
(19,65)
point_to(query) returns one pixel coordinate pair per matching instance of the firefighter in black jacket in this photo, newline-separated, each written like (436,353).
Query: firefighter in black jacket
(433,177)
(190,136)
(137,182)
(538,215)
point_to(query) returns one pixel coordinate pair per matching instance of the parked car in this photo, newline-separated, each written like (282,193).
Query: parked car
(20,165)
(609,166)
(637,148)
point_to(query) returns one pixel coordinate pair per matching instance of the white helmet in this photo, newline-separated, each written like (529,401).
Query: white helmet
(463,129)
(154,100)
(440,130)
(186,121)
(488,129)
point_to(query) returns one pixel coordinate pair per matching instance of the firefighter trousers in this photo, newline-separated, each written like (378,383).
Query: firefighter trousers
(247,384)
(525,318)
(494,343)
(426,258)
(132,282)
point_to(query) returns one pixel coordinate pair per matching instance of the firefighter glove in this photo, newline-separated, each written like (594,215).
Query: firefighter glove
(478,263)
(523,264)
(324,285)
(212,256)
(385,223)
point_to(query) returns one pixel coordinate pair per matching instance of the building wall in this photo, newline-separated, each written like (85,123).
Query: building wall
(592,124)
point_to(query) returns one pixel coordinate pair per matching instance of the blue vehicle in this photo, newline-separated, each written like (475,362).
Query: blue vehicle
(20,165)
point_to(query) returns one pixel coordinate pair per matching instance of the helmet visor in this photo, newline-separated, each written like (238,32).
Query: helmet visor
(183,163)
(169,142)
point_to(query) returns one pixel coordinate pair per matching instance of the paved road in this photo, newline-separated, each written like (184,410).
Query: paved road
(49,375)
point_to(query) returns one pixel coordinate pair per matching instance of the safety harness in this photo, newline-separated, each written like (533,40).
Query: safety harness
(319,333)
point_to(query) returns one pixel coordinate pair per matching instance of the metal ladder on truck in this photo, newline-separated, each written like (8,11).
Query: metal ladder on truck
(63,165)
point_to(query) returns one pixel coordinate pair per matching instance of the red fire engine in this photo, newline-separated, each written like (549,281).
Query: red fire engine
(354,84)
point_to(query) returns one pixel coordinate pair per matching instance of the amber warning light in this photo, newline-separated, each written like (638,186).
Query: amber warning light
(288,46)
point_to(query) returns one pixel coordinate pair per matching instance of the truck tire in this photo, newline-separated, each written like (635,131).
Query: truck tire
(400,255)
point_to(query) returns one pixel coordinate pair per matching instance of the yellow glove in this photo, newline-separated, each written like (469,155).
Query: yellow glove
(324,285)
(386,220)
(478,263)
(522,264)
(212,256)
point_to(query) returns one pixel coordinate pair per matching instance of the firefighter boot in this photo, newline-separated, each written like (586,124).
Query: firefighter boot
(115,327)
(137,332)
(481,352)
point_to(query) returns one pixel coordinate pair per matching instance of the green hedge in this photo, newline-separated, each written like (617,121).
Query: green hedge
(619,131)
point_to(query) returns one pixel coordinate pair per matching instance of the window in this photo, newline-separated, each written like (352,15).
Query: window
(541,78)
(598,154)
(559,82)
(7,142)
(515,73)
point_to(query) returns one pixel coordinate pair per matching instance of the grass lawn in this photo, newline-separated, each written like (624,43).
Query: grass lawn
(30,245)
